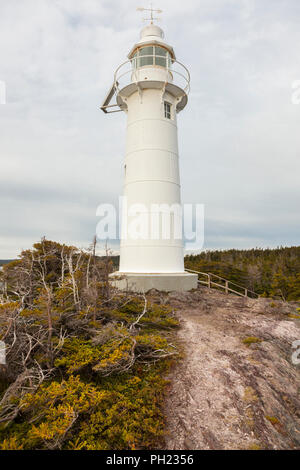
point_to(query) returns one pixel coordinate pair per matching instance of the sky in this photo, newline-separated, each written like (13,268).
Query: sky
(239,136)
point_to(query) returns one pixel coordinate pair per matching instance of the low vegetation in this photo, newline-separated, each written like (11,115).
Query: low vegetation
(251,340)
(85,363)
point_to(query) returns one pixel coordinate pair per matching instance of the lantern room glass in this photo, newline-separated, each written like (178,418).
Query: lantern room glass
(151,55)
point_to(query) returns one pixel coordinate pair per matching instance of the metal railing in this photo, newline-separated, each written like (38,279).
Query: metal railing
(183,72)
(223,284)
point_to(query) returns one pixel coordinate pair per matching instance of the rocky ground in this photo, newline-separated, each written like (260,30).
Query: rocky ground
(236,386)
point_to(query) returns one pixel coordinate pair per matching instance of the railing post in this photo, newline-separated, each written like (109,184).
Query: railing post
(209,281)
(246,292)
(226,287)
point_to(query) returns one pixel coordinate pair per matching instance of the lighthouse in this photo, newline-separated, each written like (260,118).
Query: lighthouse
(151,88)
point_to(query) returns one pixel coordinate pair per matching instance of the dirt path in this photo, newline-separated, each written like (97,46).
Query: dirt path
(225,394)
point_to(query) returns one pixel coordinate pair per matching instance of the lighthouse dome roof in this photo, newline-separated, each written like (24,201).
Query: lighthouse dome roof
(154,35)
(152,30)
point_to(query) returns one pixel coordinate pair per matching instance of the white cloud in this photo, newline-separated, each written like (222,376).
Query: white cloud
(239,137)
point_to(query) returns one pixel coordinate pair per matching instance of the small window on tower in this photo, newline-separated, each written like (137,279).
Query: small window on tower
(168,110)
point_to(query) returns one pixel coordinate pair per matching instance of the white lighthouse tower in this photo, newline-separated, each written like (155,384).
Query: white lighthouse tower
(151,88)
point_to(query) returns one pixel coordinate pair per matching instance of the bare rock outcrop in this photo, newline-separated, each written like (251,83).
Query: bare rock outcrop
(236,386)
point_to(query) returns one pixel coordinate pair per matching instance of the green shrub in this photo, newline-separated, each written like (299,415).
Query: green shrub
(251,340)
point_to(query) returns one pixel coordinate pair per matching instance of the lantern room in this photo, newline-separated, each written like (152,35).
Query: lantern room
(152,50)
(151,64)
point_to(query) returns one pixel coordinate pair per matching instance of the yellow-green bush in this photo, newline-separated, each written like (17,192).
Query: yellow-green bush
(119,412)
(107,354)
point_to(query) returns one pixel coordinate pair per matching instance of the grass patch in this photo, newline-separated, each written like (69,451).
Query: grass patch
(251,340)
(254,447)
(273,420)
(249,395)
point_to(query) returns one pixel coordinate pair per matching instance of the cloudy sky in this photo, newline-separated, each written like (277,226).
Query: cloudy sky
(239,138)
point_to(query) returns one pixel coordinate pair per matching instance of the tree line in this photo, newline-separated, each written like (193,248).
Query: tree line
(269,272)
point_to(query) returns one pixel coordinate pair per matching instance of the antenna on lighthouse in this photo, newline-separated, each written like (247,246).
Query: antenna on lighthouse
(152,11)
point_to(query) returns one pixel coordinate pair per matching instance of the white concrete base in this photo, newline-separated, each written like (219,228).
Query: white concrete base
(166,282)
